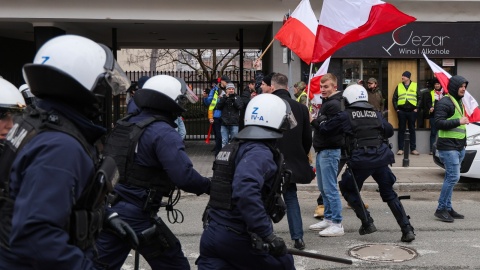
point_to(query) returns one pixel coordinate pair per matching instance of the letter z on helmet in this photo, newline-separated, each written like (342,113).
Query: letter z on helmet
(266,117)
(356,94)
(75,70)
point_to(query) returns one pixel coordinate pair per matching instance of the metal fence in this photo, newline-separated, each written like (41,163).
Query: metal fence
(195,118)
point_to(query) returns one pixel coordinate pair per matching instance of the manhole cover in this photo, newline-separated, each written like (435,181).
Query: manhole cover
(383,253)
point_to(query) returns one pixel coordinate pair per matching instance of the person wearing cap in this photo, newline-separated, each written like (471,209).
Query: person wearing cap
(295,147)
(451,121)
(266,84)
(214,114)
(406,102)
(375,95)
(299,92)
(436,94)
(231,105)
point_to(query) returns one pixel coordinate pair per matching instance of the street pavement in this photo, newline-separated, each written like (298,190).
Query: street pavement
(438,245)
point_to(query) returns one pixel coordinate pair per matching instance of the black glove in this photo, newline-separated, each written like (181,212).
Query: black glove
(276,245)
(122,229)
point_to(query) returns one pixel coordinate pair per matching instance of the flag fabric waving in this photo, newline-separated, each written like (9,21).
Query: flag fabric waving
(298,32)
(469,102)
(314,88)
(346,21)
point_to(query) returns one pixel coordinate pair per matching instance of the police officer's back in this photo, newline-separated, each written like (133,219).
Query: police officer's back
(151,159)
(54,200)
(241,200)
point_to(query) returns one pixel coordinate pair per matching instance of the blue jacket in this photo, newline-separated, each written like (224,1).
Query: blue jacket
(255,167)
(48,176)
(161,146)
(209,99)
(362,158)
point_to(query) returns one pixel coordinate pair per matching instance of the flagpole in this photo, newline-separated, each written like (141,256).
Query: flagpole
(309,79)
(266,49)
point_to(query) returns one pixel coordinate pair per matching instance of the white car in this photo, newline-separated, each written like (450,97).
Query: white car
(471,163)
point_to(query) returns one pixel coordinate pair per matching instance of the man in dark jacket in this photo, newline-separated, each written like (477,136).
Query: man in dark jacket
(367,134)
(230,104)
(246,95)
(328,148)
(295,146)
(451,123)
(407,103)
(431,99)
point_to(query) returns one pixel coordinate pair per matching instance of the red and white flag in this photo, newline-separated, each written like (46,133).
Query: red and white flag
(345,21)
(469,102)
(314,90)
(298,32)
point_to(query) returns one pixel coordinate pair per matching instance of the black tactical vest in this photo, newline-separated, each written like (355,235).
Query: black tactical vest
(367,128)
(221,183)
(87,215)
(121,144)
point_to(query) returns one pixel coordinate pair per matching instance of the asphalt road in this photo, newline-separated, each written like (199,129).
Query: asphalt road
(439,245)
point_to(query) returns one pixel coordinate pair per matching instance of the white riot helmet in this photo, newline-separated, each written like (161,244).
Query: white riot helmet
(356,94)
(27,94)
(75,70)
(164,93)
(10,99)
(266,117)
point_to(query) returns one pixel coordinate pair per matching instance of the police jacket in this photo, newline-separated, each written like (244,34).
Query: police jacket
(370,124)
(445,109)
(296,143)
(255,168)
(160,146)
(230,107)
(47,177)
(332,140)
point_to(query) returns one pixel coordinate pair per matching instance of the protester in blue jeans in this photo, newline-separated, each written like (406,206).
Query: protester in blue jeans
(231,105)
(328,147)
(451,123)
(295,146)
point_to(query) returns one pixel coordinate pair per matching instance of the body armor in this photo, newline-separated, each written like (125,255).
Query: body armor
(87,214)
(121,144)
(366,127)
(224,170)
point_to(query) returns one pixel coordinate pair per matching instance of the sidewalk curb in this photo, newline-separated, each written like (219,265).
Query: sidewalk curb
(403,187)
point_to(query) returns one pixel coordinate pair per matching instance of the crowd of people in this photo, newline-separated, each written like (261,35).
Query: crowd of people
(87,209)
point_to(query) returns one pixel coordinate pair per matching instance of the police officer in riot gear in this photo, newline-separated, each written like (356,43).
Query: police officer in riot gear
(11,102)
(367,134)
(238,223)
(151,160)
(52,206)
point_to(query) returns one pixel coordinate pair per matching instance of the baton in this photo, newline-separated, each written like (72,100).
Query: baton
(318,256)
(358,193)
(137,260)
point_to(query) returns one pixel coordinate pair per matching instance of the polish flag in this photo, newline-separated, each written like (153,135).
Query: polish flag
(345,21)
(298,32)
(469,102)
(314,89)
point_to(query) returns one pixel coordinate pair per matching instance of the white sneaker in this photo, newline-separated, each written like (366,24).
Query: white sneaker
(333,230)
(320,225)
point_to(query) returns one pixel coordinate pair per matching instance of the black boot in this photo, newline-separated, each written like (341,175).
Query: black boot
(367,221)
(403,221)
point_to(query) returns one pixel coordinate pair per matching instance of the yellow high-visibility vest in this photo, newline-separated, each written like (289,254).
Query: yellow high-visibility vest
(409,94)
(459,132)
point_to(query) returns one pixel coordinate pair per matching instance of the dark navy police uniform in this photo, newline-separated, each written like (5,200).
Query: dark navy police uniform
(48,176)
(160,147)
(226,242)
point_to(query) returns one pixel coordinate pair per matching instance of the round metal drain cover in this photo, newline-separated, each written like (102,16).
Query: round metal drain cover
(383,253)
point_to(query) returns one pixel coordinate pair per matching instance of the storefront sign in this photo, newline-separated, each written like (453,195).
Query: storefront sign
(436,40)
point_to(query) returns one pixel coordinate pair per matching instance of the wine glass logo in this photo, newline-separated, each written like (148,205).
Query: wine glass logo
(396,40)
